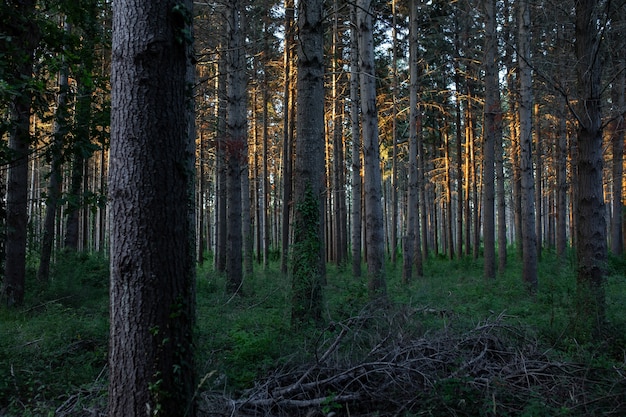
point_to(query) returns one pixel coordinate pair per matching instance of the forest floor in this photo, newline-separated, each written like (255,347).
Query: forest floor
(448,344)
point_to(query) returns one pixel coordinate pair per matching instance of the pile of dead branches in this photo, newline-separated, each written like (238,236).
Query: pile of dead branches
(376,363)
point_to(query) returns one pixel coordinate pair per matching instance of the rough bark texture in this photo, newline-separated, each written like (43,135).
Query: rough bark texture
(591,246)
(308,247)
(235,144)
(374,230)
(150,195)
(529,239)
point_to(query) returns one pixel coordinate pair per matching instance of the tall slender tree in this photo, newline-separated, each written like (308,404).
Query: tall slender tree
(491,113)
(236,143)
(374,228)
(591,243)
(529,245)
(151,194)
(356,183)
(22,36)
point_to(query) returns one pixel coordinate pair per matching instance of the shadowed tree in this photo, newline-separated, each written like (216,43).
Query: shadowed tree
(151,198)
(307,254)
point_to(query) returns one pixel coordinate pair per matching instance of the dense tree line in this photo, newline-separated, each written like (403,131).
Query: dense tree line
(329,132)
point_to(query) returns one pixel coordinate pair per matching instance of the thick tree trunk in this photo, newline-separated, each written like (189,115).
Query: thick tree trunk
(308,247)
(150,193)
(374,232)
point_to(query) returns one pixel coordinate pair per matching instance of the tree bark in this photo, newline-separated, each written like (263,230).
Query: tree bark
(374,230)
(308,248)
(26,35)
(529,239)
(591,246)
(356,182)
(235,145)
(492,112)
(151,195)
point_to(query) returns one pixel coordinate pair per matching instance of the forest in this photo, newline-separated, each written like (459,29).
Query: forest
(312,208)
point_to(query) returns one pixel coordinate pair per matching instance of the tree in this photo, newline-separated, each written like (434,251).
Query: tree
(591,245)
(236,143)
(22,36)
(151,195)
(307,254)
(61,123)
(492,112)
(412,255)
(529,245)
(374,232)
(356,183)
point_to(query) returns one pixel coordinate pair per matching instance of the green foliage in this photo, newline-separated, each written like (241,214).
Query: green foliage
(55,346)
(58,340)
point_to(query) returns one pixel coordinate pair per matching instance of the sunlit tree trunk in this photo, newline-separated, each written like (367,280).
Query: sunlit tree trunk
(152,290)
(374,233)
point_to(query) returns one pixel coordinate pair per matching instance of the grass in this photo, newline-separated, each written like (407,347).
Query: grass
(56,345)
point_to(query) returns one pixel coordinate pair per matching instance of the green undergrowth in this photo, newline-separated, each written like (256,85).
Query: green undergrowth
(56,344)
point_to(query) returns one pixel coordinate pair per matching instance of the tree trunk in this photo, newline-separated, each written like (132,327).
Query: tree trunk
(26,36)
(308,247)
(529,239)
(287,136)
(150,194)
(410,240)
(374,232)
(235,146)
(356,182)
(591,246)
(561,183)
(54,185)
(221,215)
(538,184)
(492,113)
